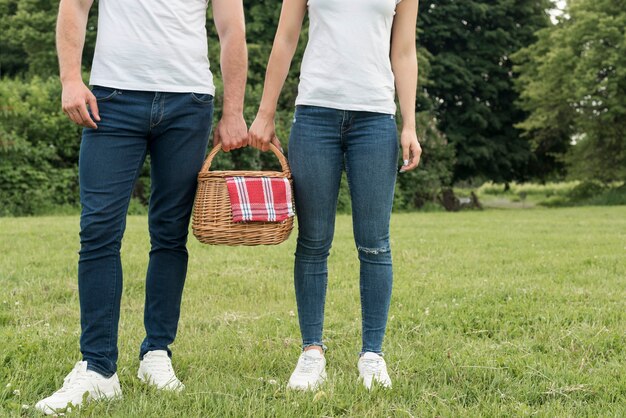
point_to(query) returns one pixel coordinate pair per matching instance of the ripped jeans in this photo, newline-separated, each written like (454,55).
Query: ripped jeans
(323,142)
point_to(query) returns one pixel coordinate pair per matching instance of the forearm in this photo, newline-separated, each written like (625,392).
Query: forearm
(234,65)
(276,74)
(405,72)
(70,37)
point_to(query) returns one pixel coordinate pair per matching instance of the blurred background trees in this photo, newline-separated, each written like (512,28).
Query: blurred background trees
(573,87)
(505,96)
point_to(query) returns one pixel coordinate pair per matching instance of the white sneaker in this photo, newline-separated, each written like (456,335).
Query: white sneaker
(156,369)
(310,371)
(81,385)
(372,368)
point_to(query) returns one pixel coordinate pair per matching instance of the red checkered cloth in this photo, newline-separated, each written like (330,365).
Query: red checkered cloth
(259,199)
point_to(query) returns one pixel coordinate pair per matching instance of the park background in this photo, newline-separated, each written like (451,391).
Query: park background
(516,309)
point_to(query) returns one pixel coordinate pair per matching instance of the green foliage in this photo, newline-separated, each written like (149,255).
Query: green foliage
(586,190)
(50,142)
(38,148)
(591,193)
(614,196)
(28,37)
(420,188)
(564,194)
(471,43)
(573,84)
(530,189)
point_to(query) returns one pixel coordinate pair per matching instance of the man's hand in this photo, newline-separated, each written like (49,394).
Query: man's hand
(75,98)
(228,16)
(262,132)
(70,37)
(232,132)
(411,150)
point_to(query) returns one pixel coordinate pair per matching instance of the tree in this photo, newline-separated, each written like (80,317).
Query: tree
(471,42)
(573,84)
(39,146)
(28,37)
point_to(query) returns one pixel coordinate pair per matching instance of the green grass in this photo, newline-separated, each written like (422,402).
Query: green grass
(495,313)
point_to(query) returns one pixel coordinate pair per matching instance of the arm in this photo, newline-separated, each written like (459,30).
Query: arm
(70,37)
(262,130)
(231,130)
(404,65)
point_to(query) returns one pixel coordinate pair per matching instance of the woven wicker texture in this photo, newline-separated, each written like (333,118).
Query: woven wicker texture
(212,216)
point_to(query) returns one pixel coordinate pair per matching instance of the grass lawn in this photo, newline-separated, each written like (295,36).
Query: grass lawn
(494,313)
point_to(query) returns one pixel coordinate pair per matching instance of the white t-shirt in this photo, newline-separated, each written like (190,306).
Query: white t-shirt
(152,45)
(346,63)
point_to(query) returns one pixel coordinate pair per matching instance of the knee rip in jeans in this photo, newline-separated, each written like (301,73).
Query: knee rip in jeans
(374,251)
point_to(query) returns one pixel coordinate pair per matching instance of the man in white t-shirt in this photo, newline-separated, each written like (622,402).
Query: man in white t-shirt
(152,94)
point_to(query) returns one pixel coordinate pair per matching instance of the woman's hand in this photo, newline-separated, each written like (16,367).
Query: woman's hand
(411,150)
(262,132)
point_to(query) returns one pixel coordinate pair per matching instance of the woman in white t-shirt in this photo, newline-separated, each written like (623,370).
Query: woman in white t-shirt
(344,118)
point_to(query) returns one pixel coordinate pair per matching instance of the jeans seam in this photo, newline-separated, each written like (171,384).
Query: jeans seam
(108,97)
(162,110)
(162,105)
(195,98)
(362,306)
(112,295)
(119,233)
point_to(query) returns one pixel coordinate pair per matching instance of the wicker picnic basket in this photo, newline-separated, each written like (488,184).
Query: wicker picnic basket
(212,217)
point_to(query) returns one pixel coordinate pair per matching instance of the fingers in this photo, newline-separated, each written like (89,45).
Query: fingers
(232,132)
(86,119)
(265,145)
(415,160)
(70,114)
(406,155)
(74,98)
(216,136)
(93,106)
(244,140)
(277,144)
(415,152)
(254,140)
(79,117)
(258,142)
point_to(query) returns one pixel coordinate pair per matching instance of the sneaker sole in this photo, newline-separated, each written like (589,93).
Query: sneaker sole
(309,387)
(148,382)
(47,410)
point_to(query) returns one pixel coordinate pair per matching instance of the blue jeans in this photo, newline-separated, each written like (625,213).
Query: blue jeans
(174,128)
(323,141)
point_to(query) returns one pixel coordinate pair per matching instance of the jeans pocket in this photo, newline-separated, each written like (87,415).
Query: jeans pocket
(104,94)
(201,98)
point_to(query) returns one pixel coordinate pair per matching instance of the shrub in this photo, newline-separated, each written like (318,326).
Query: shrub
(420,187)
(586,190)
(611,197)
(38,148)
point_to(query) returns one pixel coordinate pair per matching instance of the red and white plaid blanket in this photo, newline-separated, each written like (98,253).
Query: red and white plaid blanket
(261,199)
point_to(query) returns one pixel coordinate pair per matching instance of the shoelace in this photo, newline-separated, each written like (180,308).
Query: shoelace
(374,367)
(72,380)
(308,365)
(161,366)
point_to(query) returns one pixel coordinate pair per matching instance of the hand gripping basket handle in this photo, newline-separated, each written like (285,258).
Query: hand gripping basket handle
(281,158)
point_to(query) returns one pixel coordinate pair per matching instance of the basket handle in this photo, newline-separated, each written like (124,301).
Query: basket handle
(281,159)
